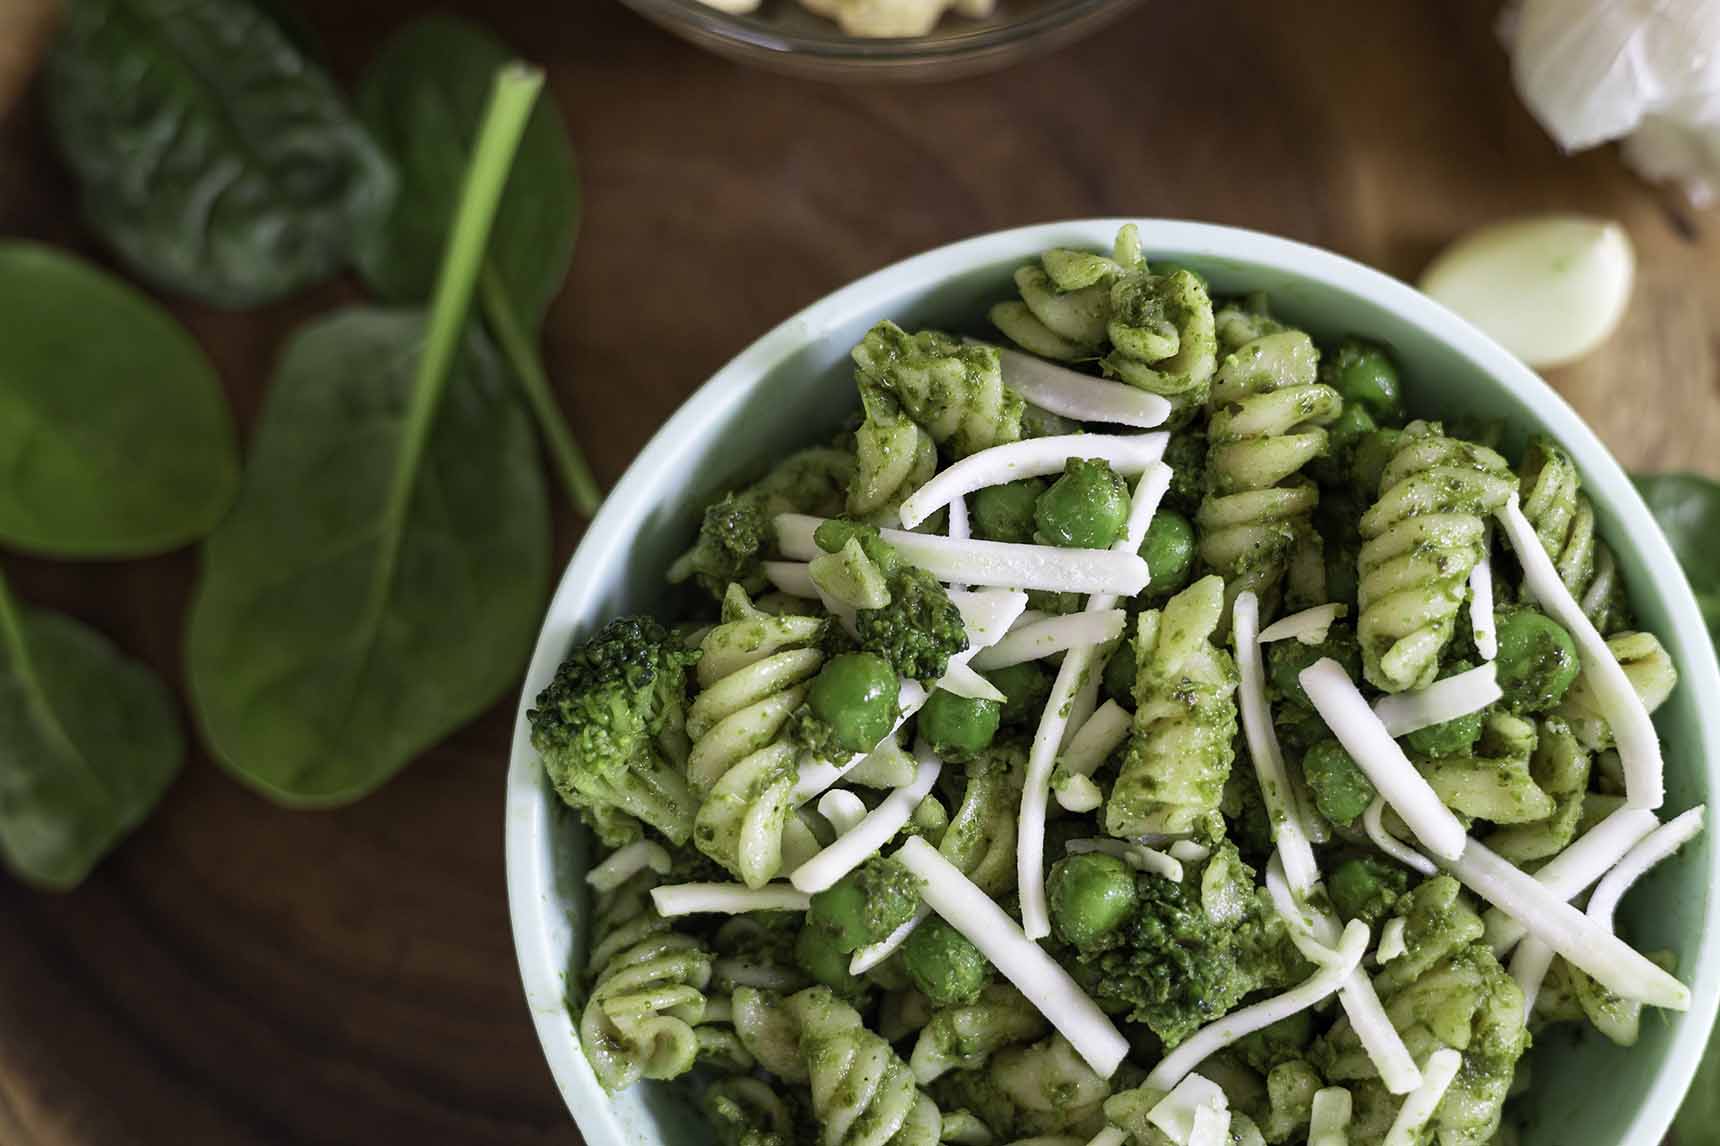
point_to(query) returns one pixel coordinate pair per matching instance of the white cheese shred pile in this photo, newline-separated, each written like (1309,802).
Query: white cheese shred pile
(1020,960)
(1080,396)
(1052,635)
(1345,711)
(1448,699)
(853,847)
(1004,564)
(1633,731)
(1583,942)
(1283,809)
(1570,872)
(627,862)
(1215,1036)
(1128,454)
(1072,700)
(1481,605)
(1310,626)
(1417,1110)
(727,899)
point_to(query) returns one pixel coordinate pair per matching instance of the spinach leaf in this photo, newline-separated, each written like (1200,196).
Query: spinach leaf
(1688,509)
(213,156)
(422,98)
(88,743)
(114,437)
(380,580)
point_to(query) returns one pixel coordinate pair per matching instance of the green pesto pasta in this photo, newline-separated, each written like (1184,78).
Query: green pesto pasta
(1493,782)
(894,456)
(965,1036)
(1180,751)
(1650,672)
(952,388)
(1559,766)
(1268,413)
(1421,539)
(862,1092)
(1564,520)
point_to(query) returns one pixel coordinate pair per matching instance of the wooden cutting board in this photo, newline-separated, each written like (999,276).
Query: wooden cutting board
(240,974)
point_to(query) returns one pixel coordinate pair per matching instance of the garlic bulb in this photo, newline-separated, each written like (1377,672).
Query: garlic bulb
(1549,289)
(1597,70)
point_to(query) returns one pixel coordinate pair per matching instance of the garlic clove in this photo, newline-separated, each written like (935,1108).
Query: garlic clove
(1550,288)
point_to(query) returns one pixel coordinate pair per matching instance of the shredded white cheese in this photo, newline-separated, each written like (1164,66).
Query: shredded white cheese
(1283,810)
(625,863)
(1574,869)
(1481,605)
(1443,700)
(1128,454)
(1529,966)
(1175,1112)
(873,954)
(1633,731)
(1009,565)
(1391,940)
(792,577)
(1215,1036)
(959,529)
(988,614)
(1080,396)
(1072,699)
(726,898)
(1090,747)
(1347,714)
(1211,1127)
(1137,856)
(1583,942)
(1654,847)
(852,847)
(1188,851)
(1020,960)
(1413,1116)
(1330,1124)
(962,680)
(816,775)
(842,808)
(1052,635)
(1310,626)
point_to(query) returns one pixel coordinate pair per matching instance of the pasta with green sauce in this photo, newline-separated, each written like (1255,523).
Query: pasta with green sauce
(1295,721)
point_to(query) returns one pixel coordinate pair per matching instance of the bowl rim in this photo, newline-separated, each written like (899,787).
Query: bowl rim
(528,819)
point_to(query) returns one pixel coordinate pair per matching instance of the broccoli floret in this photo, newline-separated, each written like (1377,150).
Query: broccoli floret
(816,735)
(737,534)
(866,904)
(1342,791)
(920,629)
(1176,969)
(597,727)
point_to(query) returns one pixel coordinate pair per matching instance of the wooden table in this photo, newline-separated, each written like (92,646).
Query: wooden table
(237,973)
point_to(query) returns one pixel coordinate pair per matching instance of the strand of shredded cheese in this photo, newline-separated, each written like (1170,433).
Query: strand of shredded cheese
(726,898)
(1128,454)
(1080,396)
(852,848)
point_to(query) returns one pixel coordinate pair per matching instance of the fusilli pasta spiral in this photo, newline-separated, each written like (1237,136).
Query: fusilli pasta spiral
(1493,782)
(964,1037)
(1268,414)
(752,676)
(953,388)
(1560,768)
(1650,671)
(894,457)
(980,838)
(863,1094)
(1180,750)
(1421,538)
(648,993)
(1564,520)
(746,1112)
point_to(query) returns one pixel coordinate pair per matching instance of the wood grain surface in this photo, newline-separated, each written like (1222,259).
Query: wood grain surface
(240,974)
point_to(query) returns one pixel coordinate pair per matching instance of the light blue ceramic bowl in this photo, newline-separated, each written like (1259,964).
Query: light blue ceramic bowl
(794,384)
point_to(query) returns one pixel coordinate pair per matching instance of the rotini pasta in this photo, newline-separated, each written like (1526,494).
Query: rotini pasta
(1042,1088)
(964,1037)
(1560,768)
(1494,781)
(863,1094)
(980,838)
(1564,520)
(1421,538)
(1268,413)
(746,1112)
(953,388)
(1180,751)
(752,677)
(894,457)
(1650,671)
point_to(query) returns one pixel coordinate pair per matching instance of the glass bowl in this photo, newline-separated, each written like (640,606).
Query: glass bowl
(784,36)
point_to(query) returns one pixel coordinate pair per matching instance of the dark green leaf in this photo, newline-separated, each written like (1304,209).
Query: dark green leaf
(423,99)
(1688,509)
(88,743)
(214,157)
(1698,1121)
(380,580)
(357,605)
(114,437)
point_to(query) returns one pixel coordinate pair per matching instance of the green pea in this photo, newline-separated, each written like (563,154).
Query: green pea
(1365,888)
(1342,791)
(817,952)
(1085,508)
(1091,896)
(1537,660)
(1026,687)
(1285,661)
(1119,678)
(1351,424)
(1005,512)
(958,727)
(855,694)
(866,904)
(1447,738)
(1363,373)
(1373,451)
(1168,550)
(944,963)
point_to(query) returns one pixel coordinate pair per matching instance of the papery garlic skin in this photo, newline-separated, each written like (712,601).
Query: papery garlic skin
(1598,70)
(1549,289)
